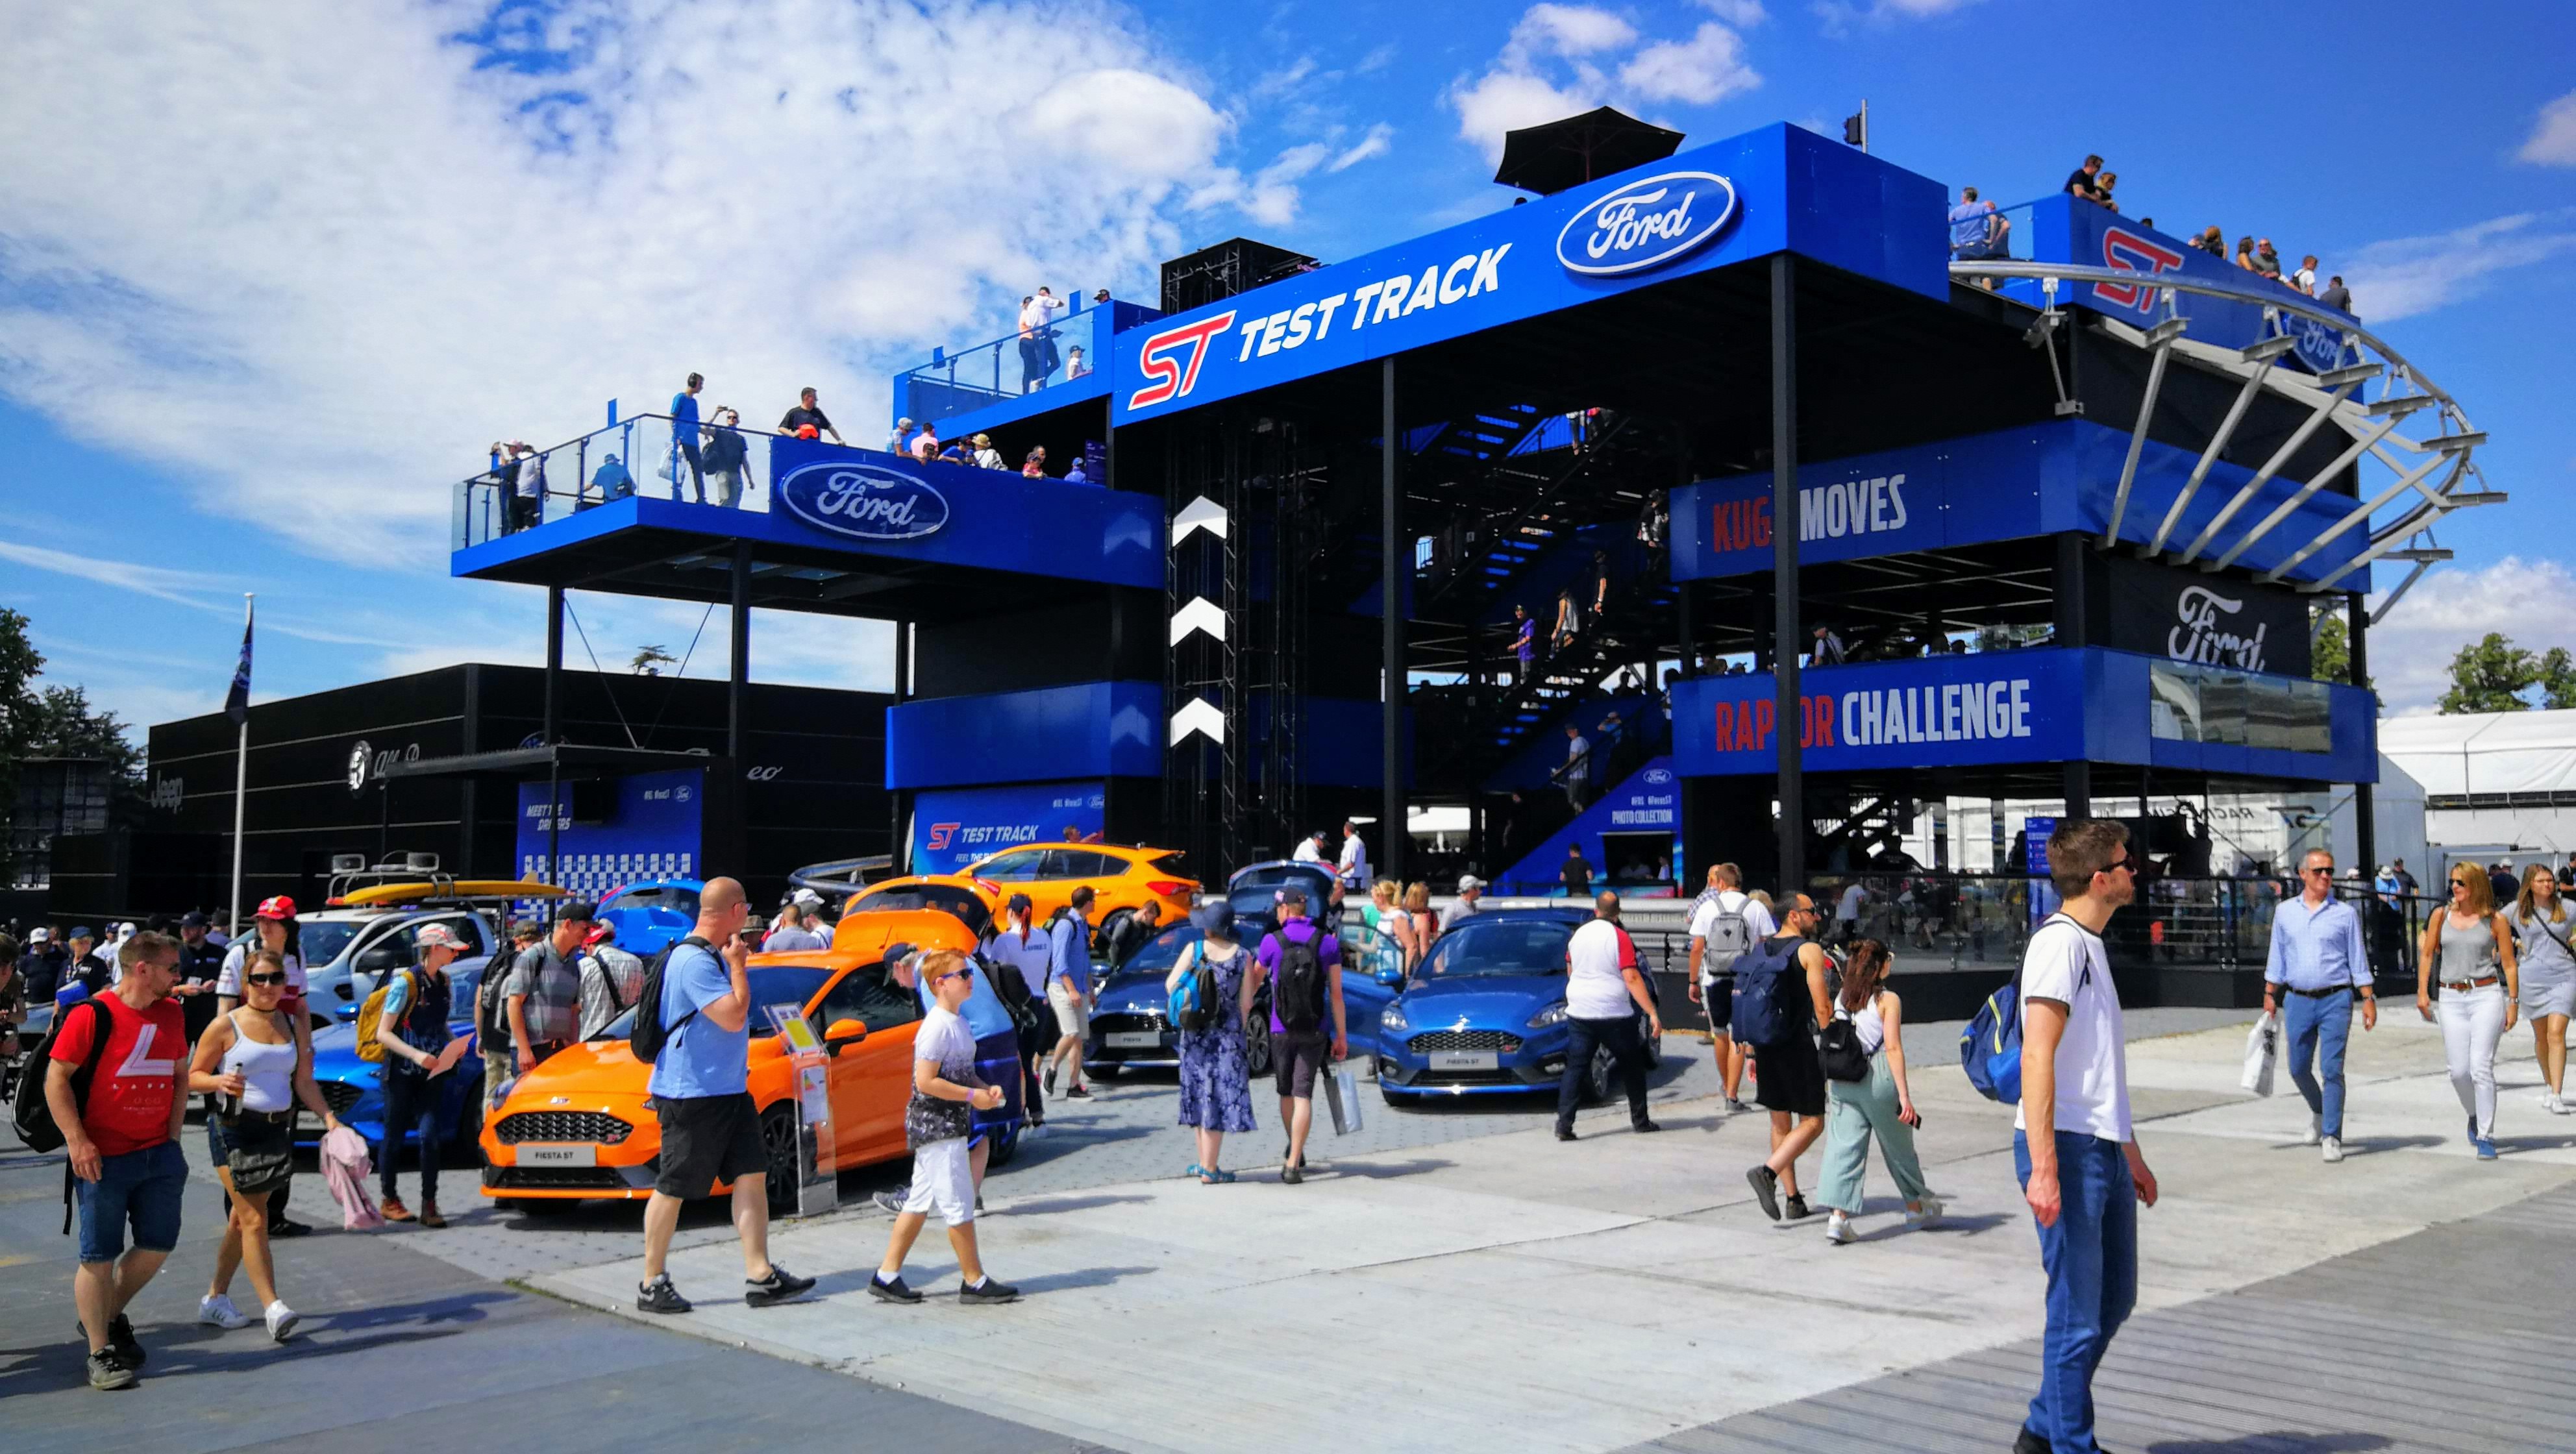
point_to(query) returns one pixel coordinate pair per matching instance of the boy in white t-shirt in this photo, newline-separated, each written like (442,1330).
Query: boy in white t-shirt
(2083,1176)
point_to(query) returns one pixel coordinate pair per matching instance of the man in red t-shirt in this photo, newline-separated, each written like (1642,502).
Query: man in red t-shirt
(122,1136)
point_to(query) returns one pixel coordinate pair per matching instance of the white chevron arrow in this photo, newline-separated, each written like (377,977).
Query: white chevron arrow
(1199,514)
(1201,614)
(1200,715)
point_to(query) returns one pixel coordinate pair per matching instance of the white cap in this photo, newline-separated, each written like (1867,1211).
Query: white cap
(808,896)
(1469,881)
(40,935)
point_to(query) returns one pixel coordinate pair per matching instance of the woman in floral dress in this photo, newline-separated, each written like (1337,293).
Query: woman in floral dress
(1216,1078)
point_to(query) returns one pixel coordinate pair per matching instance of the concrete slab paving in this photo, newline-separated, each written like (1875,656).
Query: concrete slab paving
(1505,1288)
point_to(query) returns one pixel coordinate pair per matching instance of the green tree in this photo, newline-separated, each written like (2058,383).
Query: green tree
(68,726)
(650,660)
(2330,654)
(2557,679)
(20,710)
(2490,676)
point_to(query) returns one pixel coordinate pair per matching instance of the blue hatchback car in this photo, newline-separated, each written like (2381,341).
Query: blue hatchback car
(1485,1013)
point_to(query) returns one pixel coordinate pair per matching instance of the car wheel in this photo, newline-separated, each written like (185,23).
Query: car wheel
(1110,928)
(1103,1069)
(787,1163)
(1597,1081)
(1389,1096)
(465,1143)
(1256,1052)
(1006,1149)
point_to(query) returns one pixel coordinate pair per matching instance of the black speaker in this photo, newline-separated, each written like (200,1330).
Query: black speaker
(592,799)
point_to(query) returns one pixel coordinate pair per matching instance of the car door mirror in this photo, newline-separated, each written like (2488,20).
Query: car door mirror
(843,1035)
(1389,975)
(381,958)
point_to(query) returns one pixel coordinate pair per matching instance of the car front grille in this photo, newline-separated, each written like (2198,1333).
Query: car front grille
(1466,1077)
(1135,1020)
(554,1178)
(593,1126)
(339,1095)
(1501,1041)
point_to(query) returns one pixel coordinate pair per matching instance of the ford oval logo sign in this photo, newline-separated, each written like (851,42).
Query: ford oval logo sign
(864,500)
(1659,775)
(1646,224)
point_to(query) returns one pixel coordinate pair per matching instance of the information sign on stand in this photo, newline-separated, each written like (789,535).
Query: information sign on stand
(817,1191)
(2043,889)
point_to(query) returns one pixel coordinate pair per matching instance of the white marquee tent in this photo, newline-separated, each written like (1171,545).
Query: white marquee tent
(2497,785)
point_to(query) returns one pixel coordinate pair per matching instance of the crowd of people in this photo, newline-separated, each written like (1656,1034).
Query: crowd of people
(1979,230)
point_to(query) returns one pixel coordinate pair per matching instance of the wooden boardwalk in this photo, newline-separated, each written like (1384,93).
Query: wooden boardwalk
(2457,1339)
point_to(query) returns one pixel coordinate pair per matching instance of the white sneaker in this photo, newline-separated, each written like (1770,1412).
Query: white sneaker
(281,1321)
(2316,1131)
(1838,1230)
(216,1310)
(2558,1106)
(1925,1214)
(2334,1148)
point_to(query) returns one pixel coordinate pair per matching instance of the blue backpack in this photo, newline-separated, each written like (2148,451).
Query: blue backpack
(1196,1003)
(1990,1048)
(1765,978)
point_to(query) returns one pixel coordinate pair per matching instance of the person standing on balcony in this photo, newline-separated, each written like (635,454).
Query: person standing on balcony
(925,445)
(1977,230)
(1828,648)
(2103,185)
(1032,372)
(726,457)
(807,420)
(1047,305)
(2318,959)
(2305,279)
(900,441)
(2081,182)
(2335,294)
(524,475)
(986,456)
(1075,365)
(684,439)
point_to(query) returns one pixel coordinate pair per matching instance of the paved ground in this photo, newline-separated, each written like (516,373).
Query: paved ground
(1453,1277)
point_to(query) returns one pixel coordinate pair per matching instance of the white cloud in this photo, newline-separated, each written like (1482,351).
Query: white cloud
(1839,16)
(2408,275)
(1707,68)
(1570,30)
(2411,651)
(1284,80)
(1372,145)
(313,268)
(1742,14)
(1269,196)
(2553,136)
(1504,100)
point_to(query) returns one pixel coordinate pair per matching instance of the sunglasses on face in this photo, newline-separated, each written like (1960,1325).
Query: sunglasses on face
(2317,870)
(965,974)
(264,979)
(2124,861)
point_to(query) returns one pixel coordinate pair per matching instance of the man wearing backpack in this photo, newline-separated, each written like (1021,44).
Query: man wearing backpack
(1303,965)
(417,1048)
(701,1095)
(609,979)
(1725,922)
(1780,999)
(542,999)
(116,1087)
(1069,990)
(2083,1174)
(491,1026)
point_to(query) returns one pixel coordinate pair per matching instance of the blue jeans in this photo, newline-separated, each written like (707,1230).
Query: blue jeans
(2091,1257)
(2316,1028)
(141,1187)
(412,1099)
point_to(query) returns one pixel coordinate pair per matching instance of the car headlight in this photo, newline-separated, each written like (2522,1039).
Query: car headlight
(1392,1018)
(1552,1015)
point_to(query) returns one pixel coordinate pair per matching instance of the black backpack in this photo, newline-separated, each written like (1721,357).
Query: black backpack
(1299,993)
(649,1034)
(494,1002)
(30,1116)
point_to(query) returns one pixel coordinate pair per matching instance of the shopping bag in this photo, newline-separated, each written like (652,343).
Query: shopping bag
(1342,1099)
(2262,1053)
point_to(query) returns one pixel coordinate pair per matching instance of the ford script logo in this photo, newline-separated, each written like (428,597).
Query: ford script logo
(2201,635)
(1659,775)
(1646,224)
(864,501)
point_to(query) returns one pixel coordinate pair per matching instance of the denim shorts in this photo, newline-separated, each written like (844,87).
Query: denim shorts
(142,1187)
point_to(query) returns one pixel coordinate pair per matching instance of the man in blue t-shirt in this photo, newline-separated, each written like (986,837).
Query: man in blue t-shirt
(684,439)
(1069,990)
(1977,230)
(702,1096)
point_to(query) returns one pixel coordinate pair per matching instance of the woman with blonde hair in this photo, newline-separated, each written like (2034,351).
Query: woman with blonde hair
(2548,969)
(2471,946)
(1880,1105)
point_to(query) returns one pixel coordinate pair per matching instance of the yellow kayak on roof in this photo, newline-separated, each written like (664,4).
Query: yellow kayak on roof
(450,888)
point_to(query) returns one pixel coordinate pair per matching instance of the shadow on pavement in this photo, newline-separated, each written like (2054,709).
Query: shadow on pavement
(2278,1441)
(1377,1170)
(1045,1205)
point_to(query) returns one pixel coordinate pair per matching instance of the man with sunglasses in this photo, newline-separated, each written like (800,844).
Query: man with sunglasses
(2318,960)
(2073,1146)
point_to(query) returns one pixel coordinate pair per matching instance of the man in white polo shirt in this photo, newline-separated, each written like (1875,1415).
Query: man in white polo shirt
(1605,989)
(2073,1148)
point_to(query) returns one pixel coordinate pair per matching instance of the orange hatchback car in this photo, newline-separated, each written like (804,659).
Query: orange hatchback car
(1123,879)
(578,1126)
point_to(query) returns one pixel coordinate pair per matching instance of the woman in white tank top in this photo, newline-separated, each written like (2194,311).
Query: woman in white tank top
(1880,1106)
(256,1065)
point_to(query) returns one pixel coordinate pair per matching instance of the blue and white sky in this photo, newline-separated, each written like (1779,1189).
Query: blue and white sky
(274,272)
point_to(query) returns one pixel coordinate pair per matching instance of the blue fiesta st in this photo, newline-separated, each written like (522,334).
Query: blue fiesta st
(1484,1014)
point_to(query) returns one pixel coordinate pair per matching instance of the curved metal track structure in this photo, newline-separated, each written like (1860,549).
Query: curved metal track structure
(2429,474)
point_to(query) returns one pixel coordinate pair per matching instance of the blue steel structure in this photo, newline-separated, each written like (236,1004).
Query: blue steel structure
(1680,415)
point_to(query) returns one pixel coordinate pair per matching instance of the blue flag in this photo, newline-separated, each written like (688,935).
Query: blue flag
(237,701)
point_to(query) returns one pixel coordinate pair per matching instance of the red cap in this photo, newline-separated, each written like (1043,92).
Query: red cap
(280,907)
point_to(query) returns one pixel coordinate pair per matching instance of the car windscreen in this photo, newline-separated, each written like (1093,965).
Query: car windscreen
(321,940)
(771,984)
(968,908)
(657,896)
(1158,954)
(1498,948)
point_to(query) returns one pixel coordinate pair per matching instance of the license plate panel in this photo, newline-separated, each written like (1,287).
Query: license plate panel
(558,1155)
(1135,1040)
(1465,1060)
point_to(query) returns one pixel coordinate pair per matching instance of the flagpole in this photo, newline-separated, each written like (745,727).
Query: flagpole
(241,789)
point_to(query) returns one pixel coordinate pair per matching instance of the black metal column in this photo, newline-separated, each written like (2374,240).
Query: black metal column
(2365,810)
(1785,631)
(738,677)
(1394,561)
(2073,615)
(553,734)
